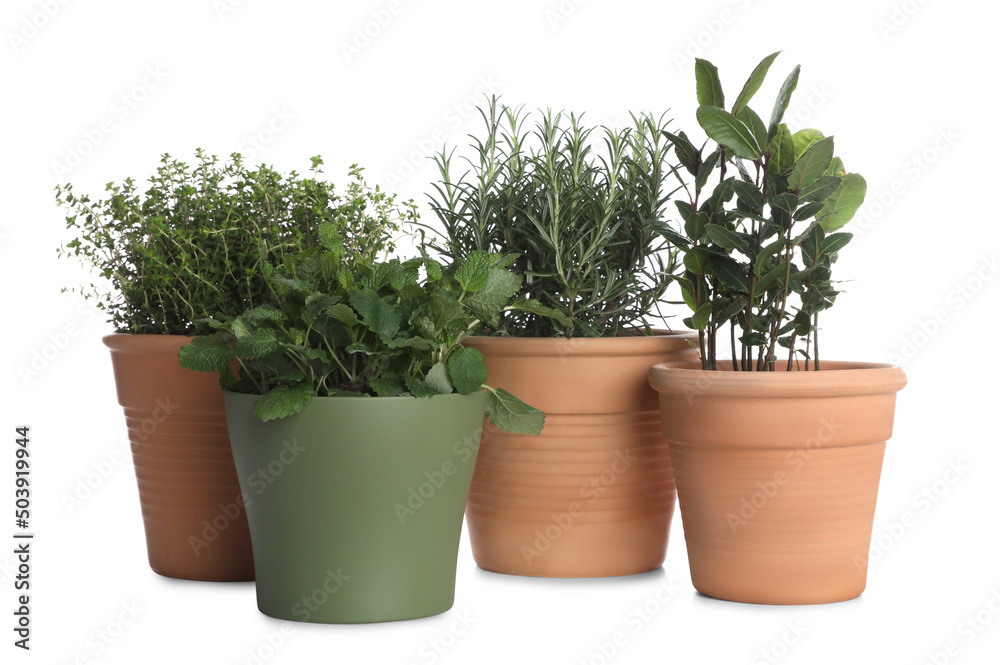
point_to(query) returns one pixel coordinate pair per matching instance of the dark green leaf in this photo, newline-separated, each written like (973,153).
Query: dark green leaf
(725,238)
(708,85)
(377,315)
(512,415)
(467,370)
(706,169)
(835,242)
(729,273)
(750,118)
(259,344)
(781,103)
(753,83)
(811,165)
(437,379)
(727,130)
(844,203)
(417,387)
(283,401)
(686,153)
(782,151)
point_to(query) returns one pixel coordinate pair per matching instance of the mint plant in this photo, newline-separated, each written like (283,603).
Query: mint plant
(195,242)
(577,205)
(764,264)
(341,325)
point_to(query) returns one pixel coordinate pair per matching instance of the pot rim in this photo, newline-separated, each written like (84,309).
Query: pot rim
(366,398)
(837,379)
(144,343)
(586,346)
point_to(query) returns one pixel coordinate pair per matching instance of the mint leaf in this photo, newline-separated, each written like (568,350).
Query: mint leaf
(389,385)
(437,379)
(258,344)
(473,274)
(206,354)
(344,314)
(283,401)
(467,370)
(417,387)
(501,286)
(377,315)
(511,414)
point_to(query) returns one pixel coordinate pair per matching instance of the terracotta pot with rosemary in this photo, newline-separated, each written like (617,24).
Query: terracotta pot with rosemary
(576,207)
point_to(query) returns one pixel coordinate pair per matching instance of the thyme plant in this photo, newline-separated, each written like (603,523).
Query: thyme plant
(194,244)
(577,207)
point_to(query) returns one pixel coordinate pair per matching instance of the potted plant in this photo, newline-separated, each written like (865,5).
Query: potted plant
(356,421)
(777,452)
(189,246)
(592,495)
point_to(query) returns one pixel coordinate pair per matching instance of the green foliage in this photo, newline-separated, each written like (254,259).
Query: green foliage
(197,241)
(759,242)
(343,324)
(574,208)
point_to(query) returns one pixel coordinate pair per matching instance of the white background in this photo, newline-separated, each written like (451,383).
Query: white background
(909,90)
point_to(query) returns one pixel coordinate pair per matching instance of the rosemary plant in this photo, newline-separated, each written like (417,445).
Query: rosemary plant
(576,206)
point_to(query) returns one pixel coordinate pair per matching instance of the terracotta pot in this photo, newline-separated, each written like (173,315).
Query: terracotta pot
(192,509)
(356,509)
(777,475)
(593,494)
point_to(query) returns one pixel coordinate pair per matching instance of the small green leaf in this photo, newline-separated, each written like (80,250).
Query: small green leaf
(206,354)
(512,415)
(705,170)
(729,272)
(388,385)
(727,130)
(787,202)
(258,344)
(377,315)
(343,313)
(473,274)
(782,151)
(841,207)
(708,85)
(283,401)
(467,370)
(750,118)
(805,139)
(808,211)
(819,190)
(686,153)
(417,387)
(781,103)
(811,164)
(753,83)
(723,237)
(437,379)
(487,303)
(835,242)
(700,319)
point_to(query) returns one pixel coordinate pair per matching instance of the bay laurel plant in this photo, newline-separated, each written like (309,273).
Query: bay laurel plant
(761,226)
(575,204)
(340,324)
(195,241)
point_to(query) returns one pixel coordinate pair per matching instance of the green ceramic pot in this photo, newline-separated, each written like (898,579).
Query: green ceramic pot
(355,504)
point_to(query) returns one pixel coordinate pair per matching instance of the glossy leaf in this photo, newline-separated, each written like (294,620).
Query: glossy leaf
(727,130)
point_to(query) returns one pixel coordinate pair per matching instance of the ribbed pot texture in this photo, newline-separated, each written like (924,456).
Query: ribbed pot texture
(196,527)
(777,475)
(355,504)
(593,494)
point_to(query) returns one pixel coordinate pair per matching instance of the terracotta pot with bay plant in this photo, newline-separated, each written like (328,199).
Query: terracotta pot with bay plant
(190,246)
(777,452)
(576,209)
(356,395)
